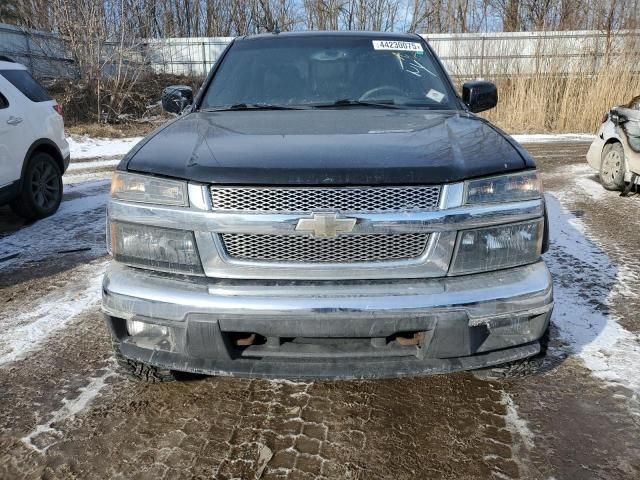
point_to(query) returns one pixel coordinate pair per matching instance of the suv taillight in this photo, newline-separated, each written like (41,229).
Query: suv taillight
(58,109)
(605,117)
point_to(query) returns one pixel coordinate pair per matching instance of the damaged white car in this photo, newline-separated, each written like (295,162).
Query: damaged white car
(615,152)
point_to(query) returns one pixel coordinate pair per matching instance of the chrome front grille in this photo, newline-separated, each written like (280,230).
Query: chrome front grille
(305,249)
(314,199)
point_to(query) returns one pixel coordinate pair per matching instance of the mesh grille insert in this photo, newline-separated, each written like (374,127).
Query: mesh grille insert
(313,199)
(345,248)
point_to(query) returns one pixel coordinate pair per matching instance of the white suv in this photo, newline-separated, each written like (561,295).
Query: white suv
(33,151)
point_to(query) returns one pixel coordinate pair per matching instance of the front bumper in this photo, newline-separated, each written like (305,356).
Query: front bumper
(320,329)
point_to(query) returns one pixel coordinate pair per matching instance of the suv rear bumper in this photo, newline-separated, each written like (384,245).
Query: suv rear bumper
(341,329)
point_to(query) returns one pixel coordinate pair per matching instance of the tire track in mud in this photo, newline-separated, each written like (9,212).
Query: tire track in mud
(227,428)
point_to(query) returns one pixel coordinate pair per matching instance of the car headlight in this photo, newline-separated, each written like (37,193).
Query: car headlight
(156,248)
(505,188)
(493,248)
(147,189)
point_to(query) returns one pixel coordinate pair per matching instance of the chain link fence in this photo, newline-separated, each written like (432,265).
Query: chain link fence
(44,54)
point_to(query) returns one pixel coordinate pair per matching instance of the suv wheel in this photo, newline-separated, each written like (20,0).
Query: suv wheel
(41,189)
(612,167)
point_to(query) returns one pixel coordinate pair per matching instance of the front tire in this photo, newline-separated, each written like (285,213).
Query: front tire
(140,371)
(41,192)
(612,167)
(522,368)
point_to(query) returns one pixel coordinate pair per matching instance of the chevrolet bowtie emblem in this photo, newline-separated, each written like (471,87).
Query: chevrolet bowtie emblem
(325,224)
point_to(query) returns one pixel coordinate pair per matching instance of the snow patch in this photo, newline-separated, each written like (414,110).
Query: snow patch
(99,164)
(585,279)
(592,188)
(25,332)
(44,435)
(516,424)
(60,231)
(82,176)
(87,147)
(553,137)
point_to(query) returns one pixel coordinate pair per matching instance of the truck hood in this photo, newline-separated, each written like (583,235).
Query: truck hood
(356,146)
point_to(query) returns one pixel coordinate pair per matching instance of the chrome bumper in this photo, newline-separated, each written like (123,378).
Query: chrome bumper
(344,329)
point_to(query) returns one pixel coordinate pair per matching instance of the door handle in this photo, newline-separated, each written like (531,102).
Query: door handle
(14,120)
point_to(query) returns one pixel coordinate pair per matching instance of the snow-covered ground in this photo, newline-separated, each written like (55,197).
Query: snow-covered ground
(78,166)
(585,281)
(27,330)
(88,147)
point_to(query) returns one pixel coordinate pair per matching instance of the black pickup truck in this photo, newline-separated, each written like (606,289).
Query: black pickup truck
(326,206)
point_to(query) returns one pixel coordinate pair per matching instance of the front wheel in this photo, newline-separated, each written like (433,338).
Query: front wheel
(612,167)
(524,367)
(41,189)
(139,371)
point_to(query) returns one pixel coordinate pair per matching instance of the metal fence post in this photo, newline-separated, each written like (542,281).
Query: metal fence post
(29,55)
(482,57)
(204,60)
(596,52)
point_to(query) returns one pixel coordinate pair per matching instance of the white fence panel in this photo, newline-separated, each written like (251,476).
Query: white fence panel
(464,55)
(526,53)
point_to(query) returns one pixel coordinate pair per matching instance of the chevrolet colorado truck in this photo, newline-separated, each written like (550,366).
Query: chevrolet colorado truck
(327,206)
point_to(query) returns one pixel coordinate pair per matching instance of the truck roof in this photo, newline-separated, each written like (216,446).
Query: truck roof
(333,33)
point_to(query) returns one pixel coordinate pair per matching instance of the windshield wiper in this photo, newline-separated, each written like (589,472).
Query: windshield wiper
(251,106)
(347,102)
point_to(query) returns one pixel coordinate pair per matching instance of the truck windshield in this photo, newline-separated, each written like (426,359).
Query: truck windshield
(329,71)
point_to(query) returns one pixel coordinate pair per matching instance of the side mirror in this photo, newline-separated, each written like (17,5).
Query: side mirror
(479,95)
(176,98)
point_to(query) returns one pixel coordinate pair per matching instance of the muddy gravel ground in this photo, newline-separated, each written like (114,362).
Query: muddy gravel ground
(67,412)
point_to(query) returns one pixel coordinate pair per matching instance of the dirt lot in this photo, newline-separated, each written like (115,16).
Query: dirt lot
(66,412)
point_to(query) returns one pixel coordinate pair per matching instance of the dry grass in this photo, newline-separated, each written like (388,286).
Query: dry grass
(138,101)
(110,130)
(564,87)
(561,103)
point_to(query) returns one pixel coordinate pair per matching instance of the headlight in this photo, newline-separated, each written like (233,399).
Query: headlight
(156,248)
(492,248)
(505,188)
(148,189)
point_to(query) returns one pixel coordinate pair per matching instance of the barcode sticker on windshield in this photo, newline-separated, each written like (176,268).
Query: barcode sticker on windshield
(435,95)
(397,45)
